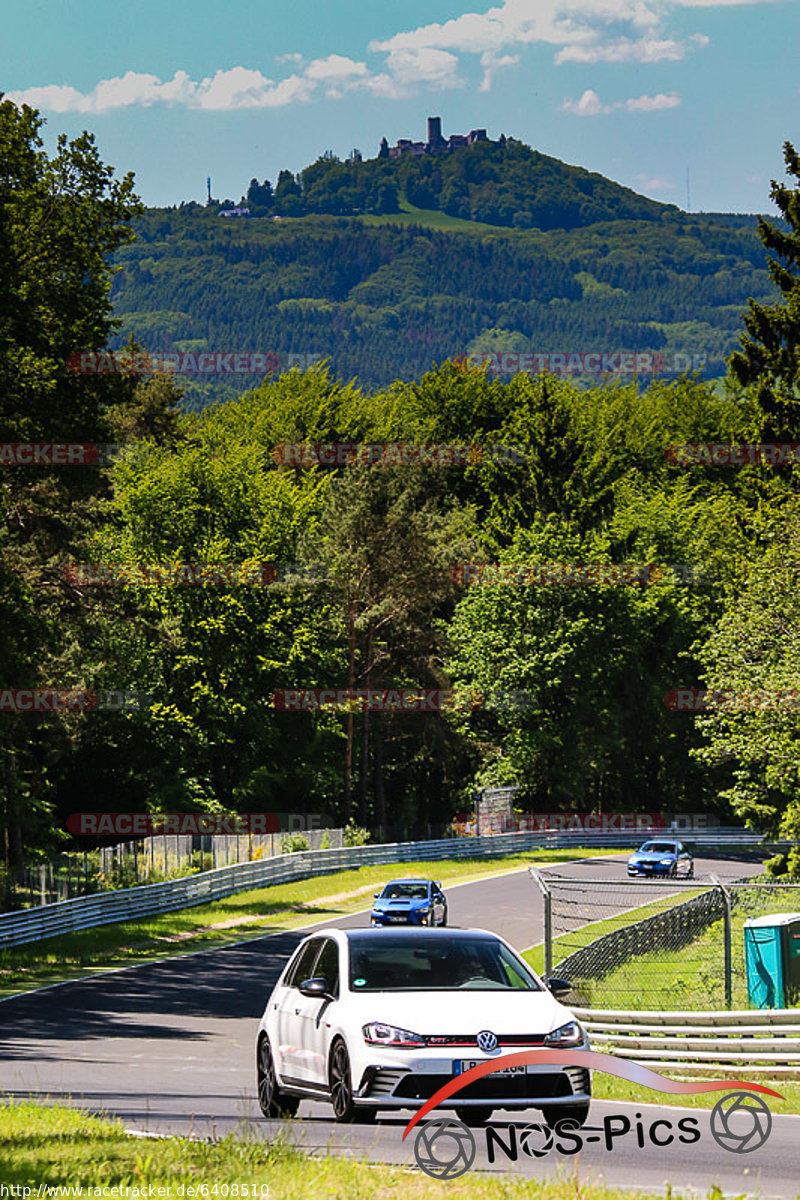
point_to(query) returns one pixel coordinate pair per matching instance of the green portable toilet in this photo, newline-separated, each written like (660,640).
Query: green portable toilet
(772,960)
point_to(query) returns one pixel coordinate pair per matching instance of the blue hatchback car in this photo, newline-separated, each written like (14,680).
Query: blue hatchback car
(662,857)
(410,902)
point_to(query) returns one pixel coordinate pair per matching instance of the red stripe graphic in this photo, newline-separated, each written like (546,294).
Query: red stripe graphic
(623,1068)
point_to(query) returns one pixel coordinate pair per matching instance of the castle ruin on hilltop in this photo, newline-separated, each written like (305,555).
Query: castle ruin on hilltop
(436,144)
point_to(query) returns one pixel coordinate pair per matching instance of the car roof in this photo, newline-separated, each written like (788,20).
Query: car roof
(408,879)
(418,934)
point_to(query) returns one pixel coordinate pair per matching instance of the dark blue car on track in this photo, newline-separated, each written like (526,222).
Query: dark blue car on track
(410,902)
(664,857)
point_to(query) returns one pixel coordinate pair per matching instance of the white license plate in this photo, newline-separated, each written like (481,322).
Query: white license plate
(465,1064)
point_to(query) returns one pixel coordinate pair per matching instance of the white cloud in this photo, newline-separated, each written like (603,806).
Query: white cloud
(54,97)
(410,69)
(583,31)
(590,104)
(721,3)
(653,103)
(241,87)
(335,66)
(237,88)
(643,50)
(493,62)
(428,58)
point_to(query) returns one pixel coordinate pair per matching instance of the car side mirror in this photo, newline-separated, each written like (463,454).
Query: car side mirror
(376,895)
(558,987)
(315,989)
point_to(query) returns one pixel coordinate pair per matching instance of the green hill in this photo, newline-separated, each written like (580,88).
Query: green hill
(385,297)
(495,183)
(387,266)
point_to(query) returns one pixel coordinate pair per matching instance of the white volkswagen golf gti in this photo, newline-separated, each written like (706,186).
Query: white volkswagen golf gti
(371,1019)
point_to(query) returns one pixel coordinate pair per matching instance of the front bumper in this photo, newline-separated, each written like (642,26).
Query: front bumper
(407,918)
(646,869)
(408,1084)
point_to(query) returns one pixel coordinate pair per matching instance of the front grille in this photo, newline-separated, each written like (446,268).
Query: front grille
(470,1039)
(532,1087)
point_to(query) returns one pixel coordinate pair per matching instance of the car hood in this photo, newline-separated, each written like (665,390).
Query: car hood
(652,856)
(401,902)
(453,1012)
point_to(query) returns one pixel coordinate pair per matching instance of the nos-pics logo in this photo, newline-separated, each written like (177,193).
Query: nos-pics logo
(445,1148)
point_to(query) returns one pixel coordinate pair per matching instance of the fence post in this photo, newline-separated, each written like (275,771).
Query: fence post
(726,933)
(547,923)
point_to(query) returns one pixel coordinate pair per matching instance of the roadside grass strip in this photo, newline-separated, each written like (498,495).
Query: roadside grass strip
(62,1152)
(607,1087)
(690,979)
(239,917)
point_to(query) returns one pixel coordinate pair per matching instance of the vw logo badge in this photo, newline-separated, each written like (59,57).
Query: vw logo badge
(487,1040)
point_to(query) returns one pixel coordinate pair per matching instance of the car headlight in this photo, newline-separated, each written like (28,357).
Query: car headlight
(570,1034)
(378,1034)
(666,862)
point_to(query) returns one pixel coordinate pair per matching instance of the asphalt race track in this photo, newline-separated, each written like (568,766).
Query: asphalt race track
(169,1048)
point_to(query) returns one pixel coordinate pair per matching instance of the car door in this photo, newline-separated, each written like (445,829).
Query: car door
(289,1013)
(317,1017)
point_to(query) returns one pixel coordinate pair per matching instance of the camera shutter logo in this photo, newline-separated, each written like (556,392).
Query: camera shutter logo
(444,1148)
(729,1133)
(536,1140)
(487,1040)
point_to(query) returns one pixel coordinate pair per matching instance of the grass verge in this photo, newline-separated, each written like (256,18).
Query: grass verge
(236,918)
(606,1087)
(691,977)
(61,1147)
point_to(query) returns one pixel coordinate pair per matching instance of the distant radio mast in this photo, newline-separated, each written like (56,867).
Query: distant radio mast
(208,187)
(688,193)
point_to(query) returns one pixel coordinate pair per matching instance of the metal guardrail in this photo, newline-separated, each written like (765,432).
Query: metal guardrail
(762,1041)
(106,908)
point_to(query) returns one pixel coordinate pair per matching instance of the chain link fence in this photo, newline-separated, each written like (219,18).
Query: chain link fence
(653,944)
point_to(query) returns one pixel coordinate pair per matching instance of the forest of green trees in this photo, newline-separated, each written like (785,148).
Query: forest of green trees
(387,301)
(382,606)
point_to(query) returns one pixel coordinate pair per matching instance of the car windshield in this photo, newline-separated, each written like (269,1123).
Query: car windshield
(398,963)
(405,891)
(658,848)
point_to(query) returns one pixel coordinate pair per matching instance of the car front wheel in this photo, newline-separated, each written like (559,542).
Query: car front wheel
(272,1101)
(341,1088)
(569,1112)
(444,917)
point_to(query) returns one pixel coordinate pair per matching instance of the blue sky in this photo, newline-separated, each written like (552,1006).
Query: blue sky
(639,90)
